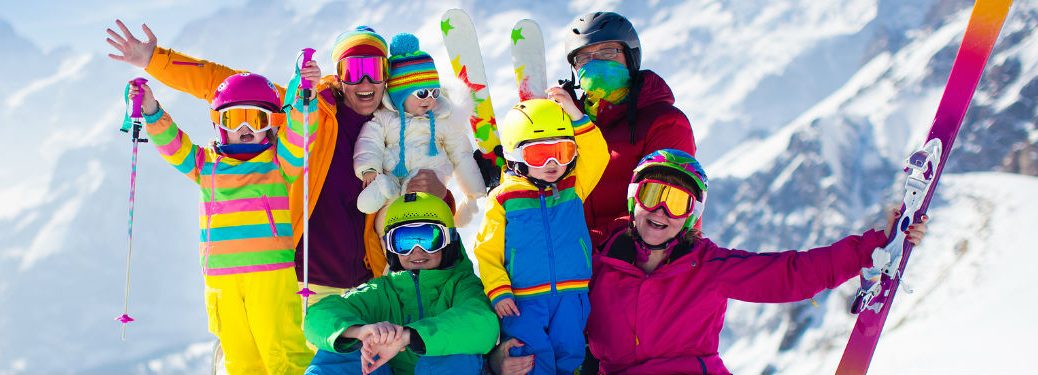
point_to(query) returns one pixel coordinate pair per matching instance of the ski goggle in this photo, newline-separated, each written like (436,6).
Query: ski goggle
(234,118)
(676,201)
(353,69)
(538,154)
(425,93)
(430,237)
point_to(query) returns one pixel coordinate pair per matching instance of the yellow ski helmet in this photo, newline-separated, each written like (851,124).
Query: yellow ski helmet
(532,120)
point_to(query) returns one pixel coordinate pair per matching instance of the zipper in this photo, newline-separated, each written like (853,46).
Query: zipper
(547,236)
(587,257)
(209,217)
(511,261)
(188,63)
(270,216)
(418,293)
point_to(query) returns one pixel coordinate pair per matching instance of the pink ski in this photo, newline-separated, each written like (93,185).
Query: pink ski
(880,283)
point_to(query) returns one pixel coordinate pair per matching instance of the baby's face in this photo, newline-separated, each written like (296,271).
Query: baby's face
(419,107)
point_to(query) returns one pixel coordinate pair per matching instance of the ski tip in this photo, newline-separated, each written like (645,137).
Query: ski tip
(124,318)
(305,292)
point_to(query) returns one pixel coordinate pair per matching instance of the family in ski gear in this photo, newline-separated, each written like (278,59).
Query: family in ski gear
(427,315)
(246,250)
(566,263)
(418,127)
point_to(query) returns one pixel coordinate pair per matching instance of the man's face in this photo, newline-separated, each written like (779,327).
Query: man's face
(598,51)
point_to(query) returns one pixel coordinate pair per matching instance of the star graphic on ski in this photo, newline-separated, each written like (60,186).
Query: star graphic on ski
(517,35)
(445,26)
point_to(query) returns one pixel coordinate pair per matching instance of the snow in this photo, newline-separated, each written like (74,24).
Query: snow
(977,318)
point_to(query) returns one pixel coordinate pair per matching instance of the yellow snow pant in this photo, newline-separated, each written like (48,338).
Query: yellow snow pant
(257,317)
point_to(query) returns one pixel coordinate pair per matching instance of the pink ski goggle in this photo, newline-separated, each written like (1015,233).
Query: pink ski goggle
(353,69)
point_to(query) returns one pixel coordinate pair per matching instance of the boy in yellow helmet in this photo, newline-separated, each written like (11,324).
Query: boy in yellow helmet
(533,247)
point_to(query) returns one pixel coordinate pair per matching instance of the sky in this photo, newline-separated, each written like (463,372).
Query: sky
(81,24)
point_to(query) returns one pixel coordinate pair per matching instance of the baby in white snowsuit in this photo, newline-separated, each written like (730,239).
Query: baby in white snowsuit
(429,133)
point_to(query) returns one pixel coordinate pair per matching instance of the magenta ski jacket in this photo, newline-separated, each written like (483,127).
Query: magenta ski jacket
(669,321)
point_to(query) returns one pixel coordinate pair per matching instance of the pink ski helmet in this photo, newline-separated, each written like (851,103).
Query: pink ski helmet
(247,89)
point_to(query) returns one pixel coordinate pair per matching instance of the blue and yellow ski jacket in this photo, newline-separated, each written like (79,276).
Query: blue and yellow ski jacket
(534,241)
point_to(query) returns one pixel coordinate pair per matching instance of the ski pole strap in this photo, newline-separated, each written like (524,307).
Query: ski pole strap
(291,91)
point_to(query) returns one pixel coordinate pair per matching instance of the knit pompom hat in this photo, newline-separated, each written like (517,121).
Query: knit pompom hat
(362,41)
(410,69)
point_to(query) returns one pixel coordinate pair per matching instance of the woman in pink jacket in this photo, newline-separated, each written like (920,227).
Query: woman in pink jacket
(657,270)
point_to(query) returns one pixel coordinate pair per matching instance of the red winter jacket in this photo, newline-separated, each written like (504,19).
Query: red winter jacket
(658,125)
(669,321)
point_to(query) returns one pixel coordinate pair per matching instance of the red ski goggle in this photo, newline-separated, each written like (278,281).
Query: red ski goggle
(676,201)
(538,154)
(352,70)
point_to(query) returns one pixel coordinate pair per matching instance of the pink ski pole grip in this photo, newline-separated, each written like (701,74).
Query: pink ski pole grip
(137,99)
(305,56)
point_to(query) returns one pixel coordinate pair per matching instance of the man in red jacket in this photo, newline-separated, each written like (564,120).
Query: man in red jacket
(634,108)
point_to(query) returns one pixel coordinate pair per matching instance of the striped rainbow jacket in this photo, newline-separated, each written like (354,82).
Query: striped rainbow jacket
(534,242)
(244,219)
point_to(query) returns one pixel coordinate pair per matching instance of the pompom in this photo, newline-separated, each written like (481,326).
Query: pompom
(403,44)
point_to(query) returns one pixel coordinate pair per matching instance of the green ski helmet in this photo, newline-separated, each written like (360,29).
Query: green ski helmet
(421,207)
(413,207)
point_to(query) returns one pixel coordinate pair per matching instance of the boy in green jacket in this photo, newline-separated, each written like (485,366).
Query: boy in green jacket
(428,315)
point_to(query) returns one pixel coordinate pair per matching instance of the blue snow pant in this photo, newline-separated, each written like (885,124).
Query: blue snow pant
(552,327)
(331,363)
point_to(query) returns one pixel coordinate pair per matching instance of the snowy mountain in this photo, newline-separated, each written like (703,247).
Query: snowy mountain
(803,112)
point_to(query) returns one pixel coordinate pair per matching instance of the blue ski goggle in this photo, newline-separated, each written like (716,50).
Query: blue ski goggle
(430,237)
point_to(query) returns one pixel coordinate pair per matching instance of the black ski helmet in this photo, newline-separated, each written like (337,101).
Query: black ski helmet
(600,27)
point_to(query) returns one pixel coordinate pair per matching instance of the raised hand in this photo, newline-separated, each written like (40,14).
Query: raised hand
(132,50)
(559,95)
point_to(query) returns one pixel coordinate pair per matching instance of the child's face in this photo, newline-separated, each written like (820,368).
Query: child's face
(421,260)
(418,107)
(550,172)
(655,227)
(246,135)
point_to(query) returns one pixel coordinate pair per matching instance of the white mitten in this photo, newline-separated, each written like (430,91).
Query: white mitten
(380,192)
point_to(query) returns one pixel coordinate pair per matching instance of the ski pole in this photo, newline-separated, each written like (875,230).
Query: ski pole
(135,139)
(304,57)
